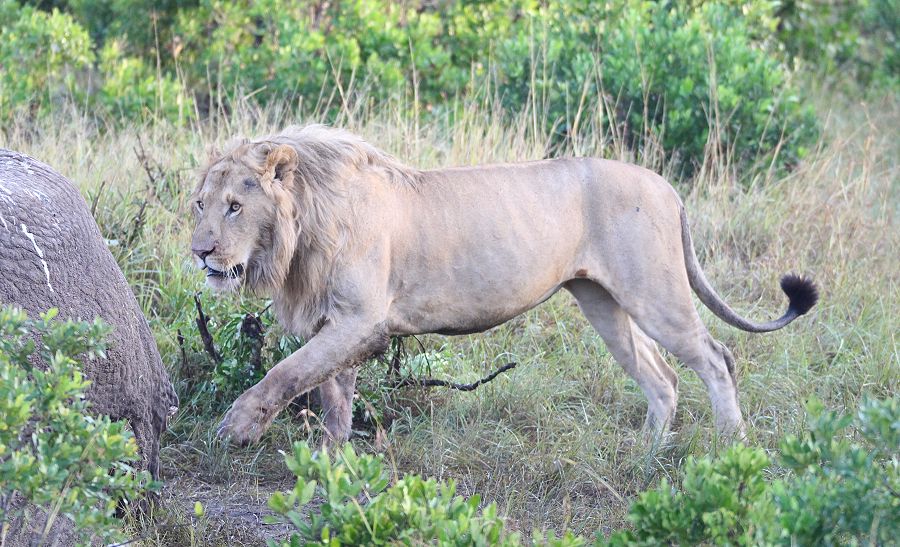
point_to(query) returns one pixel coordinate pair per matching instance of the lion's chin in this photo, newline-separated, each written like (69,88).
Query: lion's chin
(229,280)
(223,284)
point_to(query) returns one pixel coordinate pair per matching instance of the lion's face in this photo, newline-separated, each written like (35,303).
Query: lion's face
(244,227)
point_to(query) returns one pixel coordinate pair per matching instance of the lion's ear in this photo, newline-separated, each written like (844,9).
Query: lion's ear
(212,154)
(281,163)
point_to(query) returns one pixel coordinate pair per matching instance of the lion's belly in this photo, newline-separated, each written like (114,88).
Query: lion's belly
(452,291)
(454,308)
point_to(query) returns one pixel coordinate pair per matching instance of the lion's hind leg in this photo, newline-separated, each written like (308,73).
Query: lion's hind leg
(675,324)
(633,350)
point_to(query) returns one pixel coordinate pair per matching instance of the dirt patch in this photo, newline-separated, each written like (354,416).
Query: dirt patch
(233,514)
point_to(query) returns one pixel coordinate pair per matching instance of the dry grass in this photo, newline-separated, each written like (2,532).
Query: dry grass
(555,442)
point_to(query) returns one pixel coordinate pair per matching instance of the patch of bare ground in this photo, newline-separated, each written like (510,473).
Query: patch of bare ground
(233,514)
(232,485)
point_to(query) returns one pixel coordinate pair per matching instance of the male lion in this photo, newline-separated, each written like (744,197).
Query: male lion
(354,247)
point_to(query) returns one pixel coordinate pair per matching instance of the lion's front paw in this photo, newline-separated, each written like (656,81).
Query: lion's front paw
(246,420)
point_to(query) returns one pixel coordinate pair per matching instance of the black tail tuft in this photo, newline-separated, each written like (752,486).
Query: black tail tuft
(802,293)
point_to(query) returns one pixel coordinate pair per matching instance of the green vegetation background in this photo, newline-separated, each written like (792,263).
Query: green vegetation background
(668,68)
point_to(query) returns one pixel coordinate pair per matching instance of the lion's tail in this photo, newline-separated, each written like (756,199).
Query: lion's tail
(802,293)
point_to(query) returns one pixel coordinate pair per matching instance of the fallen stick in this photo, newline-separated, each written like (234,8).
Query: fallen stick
(434,382)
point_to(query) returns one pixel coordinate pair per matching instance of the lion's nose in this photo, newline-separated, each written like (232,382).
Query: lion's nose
(203,253)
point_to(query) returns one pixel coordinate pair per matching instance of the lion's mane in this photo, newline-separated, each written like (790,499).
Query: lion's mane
(313,215)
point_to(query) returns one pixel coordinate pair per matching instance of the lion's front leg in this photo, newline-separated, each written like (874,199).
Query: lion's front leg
(338,346)
(249,416)
(336,395)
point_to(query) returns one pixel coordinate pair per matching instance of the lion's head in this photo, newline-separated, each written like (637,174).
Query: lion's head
(246,213)
(274,215)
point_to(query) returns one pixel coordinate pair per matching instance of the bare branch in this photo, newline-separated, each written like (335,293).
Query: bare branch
(203,327)
(433,382)
(254,330)
(145,160)
(184,360)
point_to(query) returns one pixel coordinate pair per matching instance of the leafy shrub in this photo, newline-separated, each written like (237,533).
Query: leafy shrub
(721,502)
(842,489)
(246,357)
(663,64)
(40,56)
(48,56)
(290,49)
(360,508)
(246,339)
(670,69)
(52,452)
(835,483)
(839,485)
(146,27)
(859,39)
(132,90)
(248,342)
(678,72)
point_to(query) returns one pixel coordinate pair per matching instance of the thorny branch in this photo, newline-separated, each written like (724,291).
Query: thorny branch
(251,327)
(254,330)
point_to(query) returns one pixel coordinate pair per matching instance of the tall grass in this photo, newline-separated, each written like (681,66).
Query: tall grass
(555,442)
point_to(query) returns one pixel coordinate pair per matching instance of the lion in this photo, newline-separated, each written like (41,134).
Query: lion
(354,247)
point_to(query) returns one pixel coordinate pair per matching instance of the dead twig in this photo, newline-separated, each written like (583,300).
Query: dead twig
(254,331)
(398,353)
(184,360)
(434,382)
(95,201)
(203,327)
(138,227)
(145,160)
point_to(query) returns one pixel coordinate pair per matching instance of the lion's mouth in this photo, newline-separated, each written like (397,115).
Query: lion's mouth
(231,273)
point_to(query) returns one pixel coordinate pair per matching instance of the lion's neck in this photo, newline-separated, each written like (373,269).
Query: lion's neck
(305,300)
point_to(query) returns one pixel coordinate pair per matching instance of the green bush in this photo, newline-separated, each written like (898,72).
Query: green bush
(246,339)
(132,90)
(40,56)
(722,502)
(52,452)
(49,57)
(855,41)
(835,484)
(842,488)
(360,508)
(671,71)
(144,27)
(284,49)
(682,72)
(845,482)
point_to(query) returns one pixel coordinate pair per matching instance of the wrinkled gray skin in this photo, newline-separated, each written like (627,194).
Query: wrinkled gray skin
(53,256)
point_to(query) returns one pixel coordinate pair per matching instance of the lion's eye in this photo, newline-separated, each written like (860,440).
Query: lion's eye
(235,207)
(200,204)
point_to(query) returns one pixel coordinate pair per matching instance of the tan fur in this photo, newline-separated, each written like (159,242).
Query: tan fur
(354,247)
